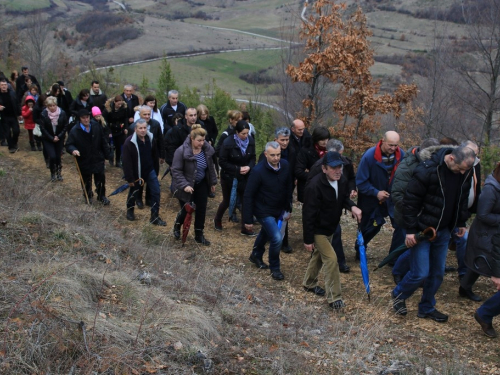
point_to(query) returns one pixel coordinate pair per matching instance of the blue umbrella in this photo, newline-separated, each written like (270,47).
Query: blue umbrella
(234,196)
(126,186)
(363,264)
(282,224)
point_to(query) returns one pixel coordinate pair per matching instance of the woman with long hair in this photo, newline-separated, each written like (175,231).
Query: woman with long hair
(193,177)
(236,159)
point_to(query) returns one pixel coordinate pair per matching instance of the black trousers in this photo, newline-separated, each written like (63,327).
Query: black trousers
(226,187)
(53,150)
(200,199)
(10,130)
(99,182)
(118,141)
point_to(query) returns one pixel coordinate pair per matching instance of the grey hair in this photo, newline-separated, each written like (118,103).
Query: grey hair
(334,145)
(272,144)
(285,132)
(145,108)
(172,92)
(141,121)
(472,145)
(464,153)
(128,87)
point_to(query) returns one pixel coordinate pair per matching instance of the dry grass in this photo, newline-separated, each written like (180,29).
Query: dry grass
(71,300)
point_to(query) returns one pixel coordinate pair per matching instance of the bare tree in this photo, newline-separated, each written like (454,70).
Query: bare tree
(477,63)
(36,45)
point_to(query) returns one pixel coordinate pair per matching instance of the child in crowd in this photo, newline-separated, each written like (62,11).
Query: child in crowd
(29,124)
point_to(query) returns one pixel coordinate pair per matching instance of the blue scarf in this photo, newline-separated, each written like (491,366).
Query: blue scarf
(241,144)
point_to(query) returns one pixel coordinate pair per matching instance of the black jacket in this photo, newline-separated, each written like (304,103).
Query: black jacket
(322,210)
(93,147)
(155,128)
(424,200)
(13,103)
(268,192)
(231,159)
(47,129)
(483,246)
(306,140)
(212,130)
(130,157)
(347,172)
(134,102)
(21,86)
(306,158)
(226,133)
(77,105)
(167,114)
(174,139)
(117,120)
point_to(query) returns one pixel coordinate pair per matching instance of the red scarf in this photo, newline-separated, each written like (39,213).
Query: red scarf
(320,150)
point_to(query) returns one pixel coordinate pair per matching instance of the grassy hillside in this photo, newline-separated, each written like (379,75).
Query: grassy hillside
(198,71)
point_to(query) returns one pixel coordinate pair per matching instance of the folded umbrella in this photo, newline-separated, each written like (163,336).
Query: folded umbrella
(427,234)
(126,186)
(189,207)
(363,264)
(166,172)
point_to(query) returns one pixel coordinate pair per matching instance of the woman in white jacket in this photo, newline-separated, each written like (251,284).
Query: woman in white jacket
(150,101)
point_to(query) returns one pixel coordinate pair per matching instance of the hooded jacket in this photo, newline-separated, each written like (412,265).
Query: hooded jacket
(117,120)
(425,196)
(483,245)
(27,114)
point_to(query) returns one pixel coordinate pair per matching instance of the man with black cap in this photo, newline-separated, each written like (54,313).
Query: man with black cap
(326,195)
(87,142)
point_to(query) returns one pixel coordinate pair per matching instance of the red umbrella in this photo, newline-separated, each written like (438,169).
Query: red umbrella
(190,207)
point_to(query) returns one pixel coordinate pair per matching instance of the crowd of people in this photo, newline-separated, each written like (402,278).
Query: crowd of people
(435,185)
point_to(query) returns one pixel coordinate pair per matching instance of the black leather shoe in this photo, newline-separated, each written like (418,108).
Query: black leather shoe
(287,249)
(337,305)
(105,201)
(434,315)
(469,294)
(130,214)
(249,233)
(319,291)
(344,268)
(177,231)
(399,305)
(157,221)
(449,269)
(200,238)
(259,263)
(486,327)
(217,224)
(139,203)
(211,195)
(277,275)
(397,279)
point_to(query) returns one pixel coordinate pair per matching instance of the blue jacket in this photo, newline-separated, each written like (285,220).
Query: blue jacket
(268,192)
(372,177)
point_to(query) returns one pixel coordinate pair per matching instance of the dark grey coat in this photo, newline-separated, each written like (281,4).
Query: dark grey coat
(482,256)
(184,169)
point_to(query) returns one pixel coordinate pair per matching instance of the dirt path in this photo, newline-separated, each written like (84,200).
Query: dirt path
(461,337)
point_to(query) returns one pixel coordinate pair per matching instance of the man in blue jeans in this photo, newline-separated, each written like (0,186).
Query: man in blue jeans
(140,159)
(267,195)
(436,196)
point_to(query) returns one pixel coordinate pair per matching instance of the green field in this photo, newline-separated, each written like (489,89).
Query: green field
(199,71)
(25,5)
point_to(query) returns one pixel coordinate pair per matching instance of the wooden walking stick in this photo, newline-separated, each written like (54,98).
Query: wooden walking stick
(81,180)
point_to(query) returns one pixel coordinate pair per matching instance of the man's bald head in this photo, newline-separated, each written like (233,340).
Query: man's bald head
(390,142)
(298,127)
